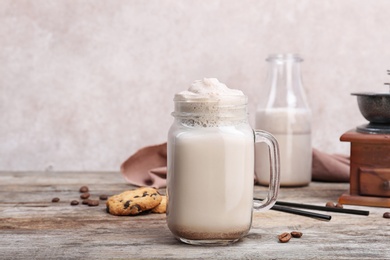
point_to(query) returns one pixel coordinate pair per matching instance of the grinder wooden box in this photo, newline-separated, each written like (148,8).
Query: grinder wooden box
(369,169)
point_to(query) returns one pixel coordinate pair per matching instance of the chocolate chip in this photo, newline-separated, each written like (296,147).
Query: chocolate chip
(386,215)
(145,194)
(84,189)
(137,207)
(55,199)
(74,202)
(93,203)
(136,196)
(85,195)
(103,197)
(127,204)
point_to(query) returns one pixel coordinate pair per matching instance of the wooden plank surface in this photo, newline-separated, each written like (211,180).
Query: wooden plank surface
(32,227)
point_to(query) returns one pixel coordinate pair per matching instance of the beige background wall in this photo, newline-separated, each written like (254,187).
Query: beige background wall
(84,84)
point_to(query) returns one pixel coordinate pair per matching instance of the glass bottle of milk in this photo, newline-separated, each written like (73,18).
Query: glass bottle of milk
(284,112)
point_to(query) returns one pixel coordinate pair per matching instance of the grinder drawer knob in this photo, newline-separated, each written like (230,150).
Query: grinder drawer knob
(386,185)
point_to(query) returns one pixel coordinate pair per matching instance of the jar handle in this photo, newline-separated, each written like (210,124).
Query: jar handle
(273,188)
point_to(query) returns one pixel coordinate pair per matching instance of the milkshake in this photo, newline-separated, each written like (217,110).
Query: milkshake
(213,174)
(210,165)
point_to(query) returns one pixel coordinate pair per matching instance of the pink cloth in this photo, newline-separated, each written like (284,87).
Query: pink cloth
(147,167)
(331,168)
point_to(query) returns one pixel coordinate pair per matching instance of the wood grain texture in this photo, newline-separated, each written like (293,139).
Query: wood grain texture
(32,227)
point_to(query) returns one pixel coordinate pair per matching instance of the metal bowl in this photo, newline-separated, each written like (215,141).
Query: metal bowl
(375,107)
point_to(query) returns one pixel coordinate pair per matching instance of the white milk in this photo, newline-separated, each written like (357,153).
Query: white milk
(291,128)
(211,183)
(210,164)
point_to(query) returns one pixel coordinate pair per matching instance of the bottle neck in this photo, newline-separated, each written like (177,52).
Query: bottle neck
(284,83)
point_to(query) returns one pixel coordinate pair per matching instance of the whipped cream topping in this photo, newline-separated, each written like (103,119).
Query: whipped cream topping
(209,89)
(209,103)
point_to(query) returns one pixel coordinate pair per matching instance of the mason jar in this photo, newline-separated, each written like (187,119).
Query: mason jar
(210,170)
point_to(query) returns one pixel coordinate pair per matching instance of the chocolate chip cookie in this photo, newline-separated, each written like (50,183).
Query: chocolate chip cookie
(162,207)
(133,202)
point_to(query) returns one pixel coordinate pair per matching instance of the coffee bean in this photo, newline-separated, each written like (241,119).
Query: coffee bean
(103,197)
(84,189)
(284,237)
(296,234)
(93,203)
(74,202)
(85,196)
(330,204)
(386,215)
(85,202)
(338,205)
(55,199)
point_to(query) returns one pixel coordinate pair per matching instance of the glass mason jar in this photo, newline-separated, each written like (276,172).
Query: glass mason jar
(210,171)
(284,112)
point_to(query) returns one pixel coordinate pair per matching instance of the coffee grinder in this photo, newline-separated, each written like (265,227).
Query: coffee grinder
(370,153)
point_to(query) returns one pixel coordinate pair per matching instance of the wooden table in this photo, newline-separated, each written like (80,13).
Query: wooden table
(32,227)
